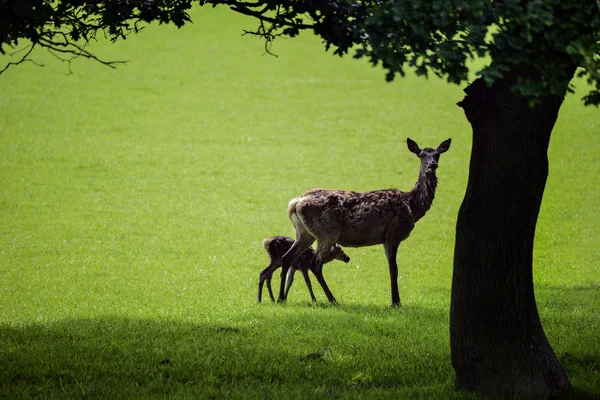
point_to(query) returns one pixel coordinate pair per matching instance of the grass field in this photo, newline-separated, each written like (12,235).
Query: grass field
(133,205)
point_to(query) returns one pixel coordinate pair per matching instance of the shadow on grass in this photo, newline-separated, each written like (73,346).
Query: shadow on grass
(276,351)
(572,323)
(269,351)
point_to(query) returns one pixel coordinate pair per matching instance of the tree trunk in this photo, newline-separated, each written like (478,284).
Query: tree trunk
(498,345)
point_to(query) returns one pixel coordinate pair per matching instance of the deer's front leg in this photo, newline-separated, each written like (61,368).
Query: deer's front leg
(317,269)
(391,251)
(319,275)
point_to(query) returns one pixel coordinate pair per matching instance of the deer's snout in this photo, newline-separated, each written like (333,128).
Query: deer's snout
(432,164)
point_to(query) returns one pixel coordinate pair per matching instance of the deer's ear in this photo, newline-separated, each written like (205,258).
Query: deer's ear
(413,146)
(442,148)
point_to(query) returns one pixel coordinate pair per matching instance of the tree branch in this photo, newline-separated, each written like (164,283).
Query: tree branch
(261,16)
(267,35)
(23,59)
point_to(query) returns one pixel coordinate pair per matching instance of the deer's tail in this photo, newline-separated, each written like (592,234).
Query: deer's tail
(292,208)
(295,217)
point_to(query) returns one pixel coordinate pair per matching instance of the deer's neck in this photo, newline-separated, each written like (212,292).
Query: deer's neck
(422,194)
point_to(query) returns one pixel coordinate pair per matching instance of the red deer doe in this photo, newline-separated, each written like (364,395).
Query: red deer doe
(357,219)
(277,246)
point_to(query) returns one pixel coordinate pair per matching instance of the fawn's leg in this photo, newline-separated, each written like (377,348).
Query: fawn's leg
(267,274)
(302,243)
(308,285)
(269,288)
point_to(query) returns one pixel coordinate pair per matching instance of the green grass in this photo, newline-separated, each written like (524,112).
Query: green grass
(133,204)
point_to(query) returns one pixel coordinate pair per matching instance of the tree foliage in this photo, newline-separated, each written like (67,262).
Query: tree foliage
(539,39)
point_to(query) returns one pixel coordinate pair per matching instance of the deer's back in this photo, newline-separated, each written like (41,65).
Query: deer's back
(359,218)
(386,200)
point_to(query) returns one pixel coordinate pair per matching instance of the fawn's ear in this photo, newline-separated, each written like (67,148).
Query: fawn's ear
(442,148)
(413,146)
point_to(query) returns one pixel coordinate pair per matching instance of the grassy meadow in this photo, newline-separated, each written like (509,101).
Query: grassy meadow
(134,202)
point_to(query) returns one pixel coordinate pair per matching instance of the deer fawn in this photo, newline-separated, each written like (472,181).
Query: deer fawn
(277,246)
(356,219)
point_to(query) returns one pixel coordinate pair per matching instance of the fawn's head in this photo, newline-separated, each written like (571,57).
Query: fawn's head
(429,157)
(338,253)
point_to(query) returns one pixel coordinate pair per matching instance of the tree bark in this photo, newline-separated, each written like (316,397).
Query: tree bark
(498,345)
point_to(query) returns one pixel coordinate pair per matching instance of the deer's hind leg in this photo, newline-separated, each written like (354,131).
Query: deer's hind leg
(303,241)
(289,281)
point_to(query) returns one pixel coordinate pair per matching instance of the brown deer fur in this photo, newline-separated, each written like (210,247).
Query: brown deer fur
(277,246)
(356,219)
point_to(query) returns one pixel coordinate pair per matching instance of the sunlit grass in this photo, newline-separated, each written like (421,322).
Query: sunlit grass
(133,204)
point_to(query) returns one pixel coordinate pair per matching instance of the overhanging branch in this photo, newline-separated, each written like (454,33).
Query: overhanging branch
(75,51)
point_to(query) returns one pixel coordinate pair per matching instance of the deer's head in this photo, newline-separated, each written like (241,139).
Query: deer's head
(429,157)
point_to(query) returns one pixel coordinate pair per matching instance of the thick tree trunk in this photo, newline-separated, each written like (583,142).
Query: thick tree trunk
(498,345)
